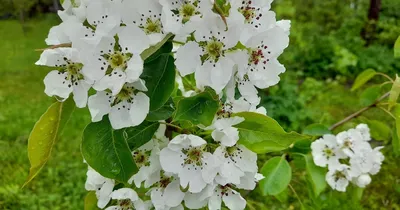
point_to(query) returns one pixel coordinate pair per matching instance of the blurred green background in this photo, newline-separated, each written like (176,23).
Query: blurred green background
(331,42)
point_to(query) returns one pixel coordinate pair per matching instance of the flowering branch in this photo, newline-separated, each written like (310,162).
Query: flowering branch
(359,112)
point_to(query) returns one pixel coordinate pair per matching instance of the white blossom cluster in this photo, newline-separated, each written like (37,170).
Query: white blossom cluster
(232,49)
(186,171)
(349,157)
(100,42)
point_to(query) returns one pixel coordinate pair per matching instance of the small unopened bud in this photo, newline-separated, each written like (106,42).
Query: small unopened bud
(363,180)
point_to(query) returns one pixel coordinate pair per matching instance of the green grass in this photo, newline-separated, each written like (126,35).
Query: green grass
(60,185)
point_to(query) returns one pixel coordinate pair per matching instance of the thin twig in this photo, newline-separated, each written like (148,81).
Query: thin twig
(386,76)
(385,110)
(359,112)
(54,47)
(297,196)
(171,125)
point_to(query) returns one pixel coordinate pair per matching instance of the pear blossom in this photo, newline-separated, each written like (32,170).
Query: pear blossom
(339,177)
(101,185)
(129,108)
(166,193)
(68,77)
(325,152)
(186,157)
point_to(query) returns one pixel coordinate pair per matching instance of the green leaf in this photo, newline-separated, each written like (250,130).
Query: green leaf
(277,174)
(394,93)
(283,196)
(141,134)
(315,176)
(107,152)
(153,49)
(199,109)
(45,133)
(379,130)
(262,134)
(316,130)
(90,201)
(165,49)
(363,78)
(163,112)
(370,95)
(159,75)
(397,48)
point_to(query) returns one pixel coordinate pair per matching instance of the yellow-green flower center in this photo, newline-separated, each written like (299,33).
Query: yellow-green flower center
(152,26)
(214,49)
(186,11)
(118,60)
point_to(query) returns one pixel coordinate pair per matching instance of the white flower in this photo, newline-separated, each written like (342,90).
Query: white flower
(242,105)
(177,14)
(73,8)
(366,160)
(224,132)
(363,180)
(232,199)
(166,193)
(365,131)
(325,152)
(236,161)
(147,158)
(103,187)
(254,16)
(105,16)
(113,64)
(212,43)
(129,108)
(351,141)
(338,178)
(185,156)
(71,30)
(68,77)
(146,15)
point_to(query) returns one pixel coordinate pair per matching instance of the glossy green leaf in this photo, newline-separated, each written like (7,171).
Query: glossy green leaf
(394,93)
(153,49)
(199,109)
(370,95)
(159,75)
(45,133)
(90,201)
(163,112)
(397,48)
(316,130)
(141,134)
(315,176)
(165,49)
(262,134)
(363,78)
(107,152)
(278,174)
(379,130)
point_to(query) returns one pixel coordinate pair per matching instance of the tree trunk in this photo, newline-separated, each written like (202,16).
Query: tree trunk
(368,31)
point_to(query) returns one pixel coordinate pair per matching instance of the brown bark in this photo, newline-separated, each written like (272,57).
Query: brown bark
(369,29)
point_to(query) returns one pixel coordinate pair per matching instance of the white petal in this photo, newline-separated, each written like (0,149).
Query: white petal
(188,58)
(134,69)
(119,116)
(81,93)
(125,193)
(173,194)
(234,201)
(139,108)
(134,39)
(99,105)
(215,203)
(114,81)
(56,84)
(171,161)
